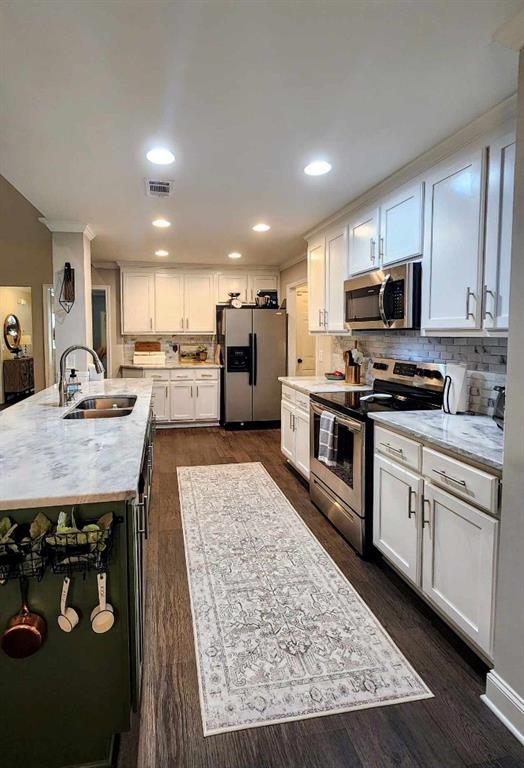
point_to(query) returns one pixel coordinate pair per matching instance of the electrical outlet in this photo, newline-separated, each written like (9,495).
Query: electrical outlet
(491,402)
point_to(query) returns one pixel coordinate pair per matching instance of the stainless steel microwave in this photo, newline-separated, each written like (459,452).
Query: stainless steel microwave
(384,299)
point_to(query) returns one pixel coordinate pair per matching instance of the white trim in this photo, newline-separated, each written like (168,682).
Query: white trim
(58,225)
(47,309)
(293,261)
(511,33)
(274,269)
(109,318)
(506,704)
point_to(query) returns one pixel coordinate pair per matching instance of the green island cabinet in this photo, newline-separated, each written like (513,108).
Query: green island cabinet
(65,705)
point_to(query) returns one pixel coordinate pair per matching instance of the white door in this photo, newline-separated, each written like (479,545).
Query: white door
(287,435)
(206,402)
(363,241)
(316,272)
(182,400)
(397,495)
(230,283)
(304,341)
(336,273)
(401,217)
(262,283)
(459,563)
(199,303)
(169,302)
(161,401)
(138,297)
(301,428)
(501,174)
(452,244)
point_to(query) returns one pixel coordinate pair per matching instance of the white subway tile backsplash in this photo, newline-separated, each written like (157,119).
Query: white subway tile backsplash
(485,358)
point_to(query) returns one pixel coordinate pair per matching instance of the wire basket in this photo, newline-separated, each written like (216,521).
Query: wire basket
(23,558)
(80,551)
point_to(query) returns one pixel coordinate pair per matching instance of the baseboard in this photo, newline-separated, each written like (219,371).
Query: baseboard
(506,703)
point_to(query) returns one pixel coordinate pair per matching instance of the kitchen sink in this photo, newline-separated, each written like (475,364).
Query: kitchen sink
(106,402)
(97,413)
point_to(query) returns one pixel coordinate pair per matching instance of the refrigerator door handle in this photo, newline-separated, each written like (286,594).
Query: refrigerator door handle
(255,360)
(250,359)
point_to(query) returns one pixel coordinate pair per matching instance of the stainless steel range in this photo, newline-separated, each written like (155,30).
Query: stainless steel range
(342,487)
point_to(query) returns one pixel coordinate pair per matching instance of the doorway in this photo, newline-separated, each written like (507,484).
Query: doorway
(301,344)
(101,325)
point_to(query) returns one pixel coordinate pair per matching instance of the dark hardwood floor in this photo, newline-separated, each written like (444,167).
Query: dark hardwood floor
(452,730)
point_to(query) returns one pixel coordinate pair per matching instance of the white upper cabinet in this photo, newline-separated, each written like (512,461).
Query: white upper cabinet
(452,243)
(169,302)
(138,302)
(232,283)
(363,241)
(261,283)
(199,303)
(336,273)
(316,270)
(401,224)
(501,174)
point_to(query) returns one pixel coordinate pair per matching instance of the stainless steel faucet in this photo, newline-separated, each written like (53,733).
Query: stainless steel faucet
(62,386)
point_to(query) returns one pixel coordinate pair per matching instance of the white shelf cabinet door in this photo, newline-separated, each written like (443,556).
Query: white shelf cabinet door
(138,302)
(232,283)
(287,435)
(301,429)
(182,401)
(363,241)
(199,303)
(459,563)
(499,225)
(401,220)
(169,302)
(206,402)
(161,408)
(316,270)
(397,498)
(261,283)
(336,273)
(452,262)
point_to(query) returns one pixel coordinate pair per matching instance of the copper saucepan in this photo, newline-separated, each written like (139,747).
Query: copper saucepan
(25,632)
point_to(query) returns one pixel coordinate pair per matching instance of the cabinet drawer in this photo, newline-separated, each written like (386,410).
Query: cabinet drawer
(302,401)
(288,394)
(461,479)
(156,374)
(209,375)
(177,375)
(407,452)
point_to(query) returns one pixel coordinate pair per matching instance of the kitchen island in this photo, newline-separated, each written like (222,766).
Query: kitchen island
(70,699)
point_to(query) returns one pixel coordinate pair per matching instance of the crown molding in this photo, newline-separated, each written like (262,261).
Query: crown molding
(60,225)
(511,33)
(293,261)
(104,264)
(188,267)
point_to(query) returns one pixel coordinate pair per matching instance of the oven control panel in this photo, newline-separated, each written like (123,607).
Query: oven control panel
(420,374)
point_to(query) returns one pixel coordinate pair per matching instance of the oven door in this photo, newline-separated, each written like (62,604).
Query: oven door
(344,478)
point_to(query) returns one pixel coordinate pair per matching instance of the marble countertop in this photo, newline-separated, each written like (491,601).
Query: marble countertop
(309,385)
(46,460)
(471,437)
(169,366)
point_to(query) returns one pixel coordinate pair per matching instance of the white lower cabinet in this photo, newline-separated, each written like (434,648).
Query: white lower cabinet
(182,401)
(444,546)
(183,395)
(397,499)
(459,563)
(206,400)
(161,401)
(294,432)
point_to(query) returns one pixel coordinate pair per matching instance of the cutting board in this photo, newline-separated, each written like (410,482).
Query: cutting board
(147,346)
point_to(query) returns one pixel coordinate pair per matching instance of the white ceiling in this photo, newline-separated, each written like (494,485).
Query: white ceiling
(245,93)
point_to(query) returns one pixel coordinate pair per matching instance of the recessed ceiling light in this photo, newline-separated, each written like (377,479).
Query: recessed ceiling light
(160,156)
(161,252)
(261,227)
(317,168)
(234,255)
(161,223)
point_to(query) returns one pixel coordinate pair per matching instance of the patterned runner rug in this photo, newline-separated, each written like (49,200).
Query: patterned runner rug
(280,633)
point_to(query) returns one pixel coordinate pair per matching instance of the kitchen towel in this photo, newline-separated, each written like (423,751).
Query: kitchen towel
(327,439)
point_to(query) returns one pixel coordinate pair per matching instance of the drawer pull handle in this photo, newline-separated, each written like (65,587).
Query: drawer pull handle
(450,478)
(424,521)
(411,511)
(390,448)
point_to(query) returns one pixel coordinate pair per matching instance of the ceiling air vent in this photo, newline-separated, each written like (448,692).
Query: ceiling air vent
(159,188)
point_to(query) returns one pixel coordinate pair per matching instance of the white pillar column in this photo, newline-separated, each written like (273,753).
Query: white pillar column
(72,243)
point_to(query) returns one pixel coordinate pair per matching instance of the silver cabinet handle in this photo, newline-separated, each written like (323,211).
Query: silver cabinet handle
(449,477)
(381,247)
(411,511)
(320,317)
(290,420)
(372,244)
(424,521)
(197,390)
(191,391)
(182,323)
(381,306)
(151,323)
(485,301)
(325,318)
(469,294)
(166,392)
(294,427)
(390,448)
(140,506)
(187,322)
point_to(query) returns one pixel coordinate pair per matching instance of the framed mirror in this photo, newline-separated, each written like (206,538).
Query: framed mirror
(12,333)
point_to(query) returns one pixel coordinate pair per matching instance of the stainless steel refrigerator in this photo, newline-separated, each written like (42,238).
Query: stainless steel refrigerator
(254,349)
